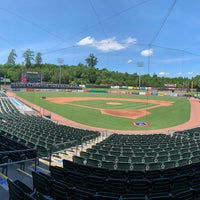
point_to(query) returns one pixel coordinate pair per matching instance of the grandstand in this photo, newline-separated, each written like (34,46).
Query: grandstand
(61,162)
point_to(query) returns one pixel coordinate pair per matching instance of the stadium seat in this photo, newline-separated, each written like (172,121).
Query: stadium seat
(108,164)
(96,183)
(132,196)
(41,183)
(139,186)
(82,193)
(97,156)
(124,166)
(186,195)
(93,162)
(139,166)
(154,166)
(116,185)
(15,192)
(59,190)
(161,196)
(78,160)
(106,196)
(85,155)
(137,159)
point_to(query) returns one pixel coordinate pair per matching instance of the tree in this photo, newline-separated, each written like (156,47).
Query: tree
(91,60)
(28,56)
(11,58)
(38,59)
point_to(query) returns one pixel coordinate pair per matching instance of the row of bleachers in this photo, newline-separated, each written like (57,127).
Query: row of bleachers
(144,141)
(79,182)
(135,165)
(148,152)
(145,152)
(45,86)
(193,133)
(38,132)
(6,106)
(86,183)
(35,131)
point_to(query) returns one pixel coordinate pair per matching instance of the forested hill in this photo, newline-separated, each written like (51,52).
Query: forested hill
(83,74)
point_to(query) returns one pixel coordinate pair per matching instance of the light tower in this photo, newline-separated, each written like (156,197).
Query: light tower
(139,65)
(60,61)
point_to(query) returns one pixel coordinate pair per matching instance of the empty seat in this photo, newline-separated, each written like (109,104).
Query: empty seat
(149,159)
(155,166)
(124,166)
(139,166)
(59,190)
(96,183)
(85,155)
(111,158)
(137,159)
(108,164)
(162,159)
(93,162)
(97,156)
(78,160)
(169,164)
(161,185)
(139,186)
(116,185)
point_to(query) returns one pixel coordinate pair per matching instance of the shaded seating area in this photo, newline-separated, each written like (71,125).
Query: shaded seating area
(74,181)
(12,152)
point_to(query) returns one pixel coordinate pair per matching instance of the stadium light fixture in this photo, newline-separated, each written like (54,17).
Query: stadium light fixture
(60,61)
(139,65)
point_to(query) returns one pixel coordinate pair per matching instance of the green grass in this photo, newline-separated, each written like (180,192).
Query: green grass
(162,117)
(127,105)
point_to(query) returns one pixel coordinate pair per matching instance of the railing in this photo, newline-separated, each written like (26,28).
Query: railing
(76,142)
(10,162)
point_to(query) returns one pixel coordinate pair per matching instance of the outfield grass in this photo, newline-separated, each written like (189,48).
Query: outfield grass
(162,117)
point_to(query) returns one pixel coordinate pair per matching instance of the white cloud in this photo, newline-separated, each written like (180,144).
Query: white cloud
(190,73)
(179,73)
(147,52)
(86,41)
(106,45)
(131,40)
(163,73)
(129,61)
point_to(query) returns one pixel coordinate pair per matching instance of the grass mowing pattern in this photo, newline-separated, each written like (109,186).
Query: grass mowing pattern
(162,117)
(124,105)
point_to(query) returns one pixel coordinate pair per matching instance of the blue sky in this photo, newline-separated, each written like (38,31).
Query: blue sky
(134,36)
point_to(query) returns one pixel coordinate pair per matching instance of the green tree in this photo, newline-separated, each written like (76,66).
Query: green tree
(38,59)
(91,60)
(11,58)
(28,57)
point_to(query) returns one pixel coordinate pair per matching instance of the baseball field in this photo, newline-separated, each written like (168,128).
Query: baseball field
(114,111)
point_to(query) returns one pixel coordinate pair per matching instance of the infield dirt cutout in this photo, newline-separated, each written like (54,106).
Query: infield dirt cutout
(133,114)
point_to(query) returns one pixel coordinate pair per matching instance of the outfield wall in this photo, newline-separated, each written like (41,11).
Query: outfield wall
(144,93)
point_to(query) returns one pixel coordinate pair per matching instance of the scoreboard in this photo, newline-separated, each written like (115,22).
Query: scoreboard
(31,77)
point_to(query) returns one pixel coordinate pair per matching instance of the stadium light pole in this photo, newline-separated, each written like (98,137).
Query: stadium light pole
(139,65)
(60,61)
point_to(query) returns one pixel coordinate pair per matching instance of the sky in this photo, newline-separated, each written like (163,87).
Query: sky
(159,37)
